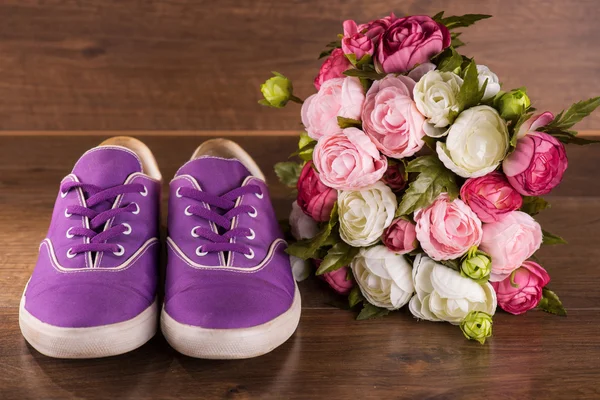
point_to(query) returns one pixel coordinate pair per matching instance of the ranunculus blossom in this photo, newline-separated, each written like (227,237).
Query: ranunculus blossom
(338,279)
(374,29)
(442,294)
(333,67)
(314,198)
(384,278)
(364,214)
(535,122)
(410,41)
(477,143)
(510,241)
(319,111)
(493,83)
(447,229)
(522,290)
(436,97)
(490,196)
(537,165)
(353,98)
(355,42)
(348,161)
(391,118)
(395,177)
(400,237)
(302,226)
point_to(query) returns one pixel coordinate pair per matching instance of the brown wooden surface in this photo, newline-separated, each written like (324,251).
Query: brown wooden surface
(536,355)
(190,64)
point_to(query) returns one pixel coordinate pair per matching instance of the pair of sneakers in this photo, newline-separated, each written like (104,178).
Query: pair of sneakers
(229,289)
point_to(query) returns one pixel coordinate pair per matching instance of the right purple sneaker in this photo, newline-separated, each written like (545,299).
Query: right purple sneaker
(229,289)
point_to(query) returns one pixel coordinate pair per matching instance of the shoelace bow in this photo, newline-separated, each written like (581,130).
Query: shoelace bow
(97,195)
(226,203)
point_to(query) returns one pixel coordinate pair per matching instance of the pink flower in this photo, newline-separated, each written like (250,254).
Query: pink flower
(447,229)
(510,241)
(537,165)
(410,41)
(355,42)
(490,196)
(394,177)
(353,98)
(535,122)
(391,118)
(400,237)
(337,279)
(320,111)
(333,67)
(374,29)
(314,198)
(348,161)
(529,280)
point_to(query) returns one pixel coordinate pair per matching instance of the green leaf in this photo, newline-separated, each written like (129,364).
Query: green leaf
(365,60)
(452,264)
(340,255)
(288,172)
(578,111)
(433,179)
(515,129)
(461,21)
(355,296)
(456,42)
(438,17)
(306,145)
(470,95)
(449,60)
(568,136)
(348,123)
(551,239)
(336,44)
(532,205)
(372,75)
(369,311)
(551,303)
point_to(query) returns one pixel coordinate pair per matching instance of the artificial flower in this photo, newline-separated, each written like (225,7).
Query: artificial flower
(513,104)
(436,97)
(353,98)
(493,83)
(338,279)
(302,226)
(534,123)
(356,42)
(400,237)
(490,196)
(333,67)
(314,198)
(477,326)
(395,176)
(522,290)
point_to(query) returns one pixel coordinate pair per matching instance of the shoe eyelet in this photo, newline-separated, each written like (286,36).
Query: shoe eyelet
(187,211)
(199,252)
(249,256)
(137,208)
(252,234)
(178,193)
(254,213)
(194,234)
(260,195)
(128,231)
(145,191)
(68,234)
(67,214)
(120,252)
(63,194)
(69,254)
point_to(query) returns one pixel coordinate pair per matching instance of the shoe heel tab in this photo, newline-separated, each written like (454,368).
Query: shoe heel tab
(149,164)
(225,148)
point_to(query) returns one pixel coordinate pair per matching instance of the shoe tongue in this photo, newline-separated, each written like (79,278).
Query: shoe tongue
(107,166)
(216,175)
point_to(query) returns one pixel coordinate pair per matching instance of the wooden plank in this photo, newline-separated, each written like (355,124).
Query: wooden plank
(536,355)
(111,65)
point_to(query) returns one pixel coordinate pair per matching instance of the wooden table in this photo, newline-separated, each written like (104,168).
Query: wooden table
(536,355)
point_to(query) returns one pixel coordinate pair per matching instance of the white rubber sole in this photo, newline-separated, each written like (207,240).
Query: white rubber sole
(228,344)
(93,342)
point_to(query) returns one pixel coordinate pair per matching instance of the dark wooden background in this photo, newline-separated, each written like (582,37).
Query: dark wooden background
(185,64)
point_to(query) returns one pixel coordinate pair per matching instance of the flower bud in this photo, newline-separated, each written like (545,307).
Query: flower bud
(277,91)
(477,266)
(477,325)
(513,104)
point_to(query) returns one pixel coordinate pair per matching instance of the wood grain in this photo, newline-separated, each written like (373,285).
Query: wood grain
(183,64)
(536,355)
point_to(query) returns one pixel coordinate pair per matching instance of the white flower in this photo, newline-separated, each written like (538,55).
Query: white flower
(476,144)
(493,84)
(302,226)
(364,214)
(384,277)
(300,268)
(442,294)
(436,96)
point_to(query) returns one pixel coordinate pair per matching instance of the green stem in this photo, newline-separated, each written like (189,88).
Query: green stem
(296,99)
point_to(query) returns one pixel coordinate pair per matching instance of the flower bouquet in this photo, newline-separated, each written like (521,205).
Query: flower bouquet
(420,176)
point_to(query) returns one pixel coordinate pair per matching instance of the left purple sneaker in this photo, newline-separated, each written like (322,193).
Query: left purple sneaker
(93,290)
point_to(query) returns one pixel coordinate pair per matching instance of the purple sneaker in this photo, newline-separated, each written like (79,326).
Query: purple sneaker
(229,290)
(92,292)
